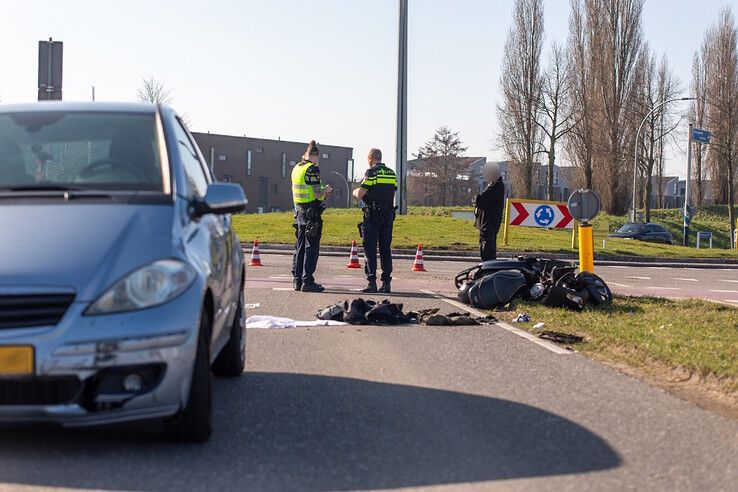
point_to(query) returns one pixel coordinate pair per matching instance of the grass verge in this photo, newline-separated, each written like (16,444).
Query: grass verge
(693,337)
(434,228)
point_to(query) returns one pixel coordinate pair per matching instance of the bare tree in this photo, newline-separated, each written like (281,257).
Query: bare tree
(618,38)
(556,108)
(668,88)
(520,112)
(657,87)
(722,107)
(154,91)
(580,142)
(698,115)
(442,156)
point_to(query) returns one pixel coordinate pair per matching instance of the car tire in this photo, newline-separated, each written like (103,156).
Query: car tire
(192,423)
(232,359)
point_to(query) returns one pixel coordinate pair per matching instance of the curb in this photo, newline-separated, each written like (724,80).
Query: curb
(472,256)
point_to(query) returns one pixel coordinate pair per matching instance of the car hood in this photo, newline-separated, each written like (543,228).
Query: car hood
(85,247)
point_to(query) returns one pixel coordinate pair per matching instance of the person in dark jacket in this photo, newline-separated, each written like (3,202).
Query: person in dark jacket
(488,208)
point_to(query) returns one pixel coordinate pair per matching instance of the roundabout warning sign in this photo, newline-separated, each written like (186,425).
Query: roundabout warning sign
(529,213)
(536,213)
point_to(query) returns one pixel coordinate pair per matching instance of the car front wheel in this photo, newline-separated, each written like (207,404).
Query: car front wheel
(192,424)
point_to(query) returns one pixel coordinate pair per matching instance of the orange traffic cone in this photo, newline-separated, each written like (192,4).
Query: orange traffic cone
(418,264)
(354,259)
(255,256)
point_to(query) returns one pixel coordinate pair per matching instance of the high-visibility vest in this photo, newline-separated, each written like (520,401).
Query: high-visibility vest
(301,191)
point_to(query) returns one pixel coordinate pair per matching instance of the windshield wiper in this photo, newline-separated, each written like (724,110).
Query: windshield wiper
(39,187)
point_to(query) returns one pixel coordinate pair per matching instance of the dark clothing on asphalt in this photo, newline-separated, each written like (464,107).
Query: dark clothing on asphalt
(488,208)
(379,215)
(308,230)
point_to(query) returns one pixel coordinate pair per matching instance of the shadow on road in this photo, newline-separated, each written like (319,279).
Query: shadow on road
(280,431)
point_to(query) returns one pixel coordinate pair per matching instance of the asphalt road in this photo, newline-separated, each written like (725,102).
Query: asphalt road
(356,407)
(718,284)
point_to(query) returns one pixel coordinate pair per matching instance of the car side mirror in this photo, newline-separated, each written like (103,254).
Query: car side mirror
(221,198)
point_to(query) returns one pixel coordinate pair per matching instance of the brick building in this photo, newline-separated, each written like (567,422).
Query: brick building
(263,167)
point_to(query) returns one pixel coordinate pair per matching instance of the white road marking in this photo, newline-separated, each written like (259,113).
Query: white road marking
(686,279)
(281,276)
(665,288)
(731,281)
(617,284)
(543,343)
(283,288)
(732,300)
(657,268)
(639,278)
(615,266)
(725,291)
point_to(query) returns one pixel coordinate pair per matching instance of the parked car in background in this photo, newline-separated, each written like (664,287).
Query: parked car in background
(644,232)
(121,278)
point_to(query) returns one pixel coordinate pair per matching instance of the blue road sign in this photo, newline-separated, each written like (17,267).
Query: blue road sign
(544,215)
(702,136)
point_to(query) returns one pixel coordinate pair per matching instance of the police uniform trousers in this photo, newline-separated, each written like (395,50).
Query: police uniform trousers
(377,228)
(308,230)
(488,245)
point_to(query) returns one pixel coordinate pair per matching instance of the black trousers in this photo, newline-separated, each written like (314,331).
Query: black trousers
(307,248)
(488,246)
(377,228)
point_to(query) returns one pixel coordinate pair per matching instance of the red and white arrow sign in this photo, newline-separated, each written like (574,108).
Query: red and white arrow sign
(531,214)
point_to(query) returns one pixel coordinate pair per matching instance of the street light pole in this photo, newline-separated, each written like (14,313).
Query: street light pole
(635,150)
(687,215)
(401,140)
(348,188)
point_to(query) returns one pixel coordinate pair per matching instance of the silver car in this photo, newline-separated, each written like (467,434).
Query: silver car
(121,279)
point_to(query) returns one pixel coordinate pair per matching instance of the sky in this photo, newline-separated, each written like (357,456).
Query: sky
(301,70)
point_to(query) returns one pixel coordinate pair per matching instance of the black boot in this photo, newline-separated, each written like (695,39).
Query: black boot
(371,288)
(385,288)
(297,284)
(313,287)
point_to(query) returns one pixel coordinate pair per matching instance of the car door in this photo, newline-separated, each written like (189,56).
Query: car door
(206,238)
(663,234)
(650,234)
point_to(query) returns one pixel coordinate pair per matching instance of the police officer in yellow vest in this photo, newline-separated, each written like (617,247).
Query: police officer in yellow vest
(308,194)
(377,192)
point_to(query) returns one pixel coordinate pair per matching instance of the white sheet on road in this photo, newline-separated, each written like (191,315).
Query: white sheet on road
(273,322)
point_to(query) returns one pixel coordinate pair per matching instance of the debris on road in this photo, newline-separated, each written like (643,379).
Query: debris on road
(539,326)
(252,305)
(563,338)
(431,317)
(369,312)
(521,318)
(274,322)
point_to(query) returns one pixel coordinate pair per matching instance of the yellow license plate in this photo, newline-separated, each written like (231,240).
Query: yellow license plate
(16,361)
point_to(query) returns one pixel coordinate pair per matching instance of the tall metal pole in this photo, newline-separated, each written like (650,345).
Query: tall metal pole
(687,215)
(49,88)
(401,139)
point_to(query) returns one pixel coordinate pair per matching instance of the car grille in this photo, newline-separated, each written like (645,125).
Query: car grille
(39,390)
(21,311)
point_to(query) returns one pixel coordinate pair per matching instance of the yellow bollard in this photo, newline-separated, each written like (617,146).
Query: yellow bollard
(586,248)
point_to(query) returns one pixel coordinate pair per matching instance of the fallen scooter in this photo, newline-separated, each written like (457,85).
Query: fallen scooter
(495,283)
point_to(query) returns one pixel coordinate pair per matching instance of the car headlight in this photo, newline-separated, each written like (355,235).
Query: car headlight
(151,285)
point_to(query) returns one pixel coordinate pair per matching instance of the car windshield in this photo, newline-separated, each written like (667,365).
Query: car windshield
(79,150)
(631,229)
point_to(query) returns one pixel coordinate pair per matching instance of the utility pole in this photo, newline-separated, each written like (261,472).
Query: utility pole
(401,139)
(687,212)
